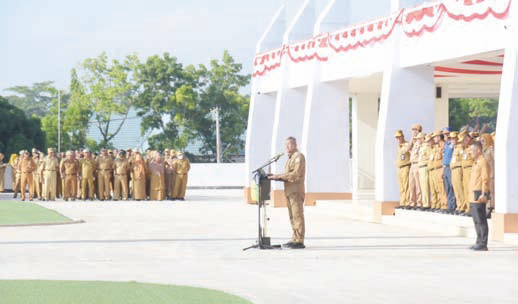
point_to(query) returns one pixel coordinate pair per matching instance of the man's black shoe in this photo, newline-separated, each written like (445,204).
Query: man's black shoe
(288,244)
(480,247)
(297,246)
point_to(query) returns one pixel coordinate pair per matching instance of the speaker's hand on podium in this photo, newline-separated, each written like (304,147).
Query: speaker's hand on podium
(276,177)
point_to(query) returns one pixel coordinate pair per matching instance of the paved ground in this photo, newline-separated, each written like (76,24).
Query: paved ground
(199,242)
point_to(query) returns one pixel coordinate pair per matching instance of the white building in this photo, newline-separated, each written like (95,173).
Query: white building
(406,63)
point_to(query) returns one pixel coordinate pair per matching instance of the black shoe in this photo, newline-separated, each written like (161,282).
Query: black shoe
(297,246)
(427,209)
(14,196)
(182,199)
(480,247)
(288,244)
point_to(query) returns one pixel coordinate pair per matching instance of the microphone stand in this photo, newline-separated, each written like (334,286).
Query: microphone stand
(259,174)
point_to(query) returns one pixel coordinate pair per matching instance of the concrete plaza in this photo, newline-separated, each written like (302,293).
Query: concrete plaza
(199,243)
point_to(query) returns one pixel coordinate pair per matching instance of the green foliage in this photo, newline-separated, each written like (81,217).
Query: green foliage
(473,112)
(33,100)
(105,89)
(17,132)
(158,103)
(218,86)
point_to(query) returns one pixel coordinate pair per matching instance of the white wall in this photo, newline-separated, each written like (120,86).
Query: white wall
(216,175)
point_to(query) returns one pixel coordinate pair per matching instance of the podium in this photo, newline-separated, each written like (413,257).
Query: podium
(260,193)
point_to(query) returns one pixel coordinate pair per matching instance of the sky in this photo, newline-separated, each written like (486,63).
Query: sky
(43,40)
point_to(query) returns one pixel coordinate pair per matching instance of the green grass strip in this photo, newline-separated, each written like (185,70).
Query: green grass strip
(23,213)
(95,292)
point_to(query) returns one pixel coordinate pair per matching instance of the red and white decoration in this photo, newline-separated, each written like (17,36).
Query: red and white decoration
(414,22)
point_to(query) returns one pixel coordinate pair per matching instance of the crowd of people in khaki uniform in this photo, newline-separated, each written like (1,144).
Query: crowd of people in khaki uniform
(111,175)
(448,172)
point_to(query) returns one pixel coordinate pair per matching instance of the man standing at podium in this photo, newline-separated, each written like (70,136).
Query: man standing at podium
(293,177)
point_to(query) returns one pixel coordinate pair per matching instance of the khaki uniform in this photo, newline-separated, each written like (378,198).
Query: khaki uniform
(181,167)
(69,169)
(26,167)
(439,181)
(138,179)
(13,165)
(59,180)
(2,175)
(157,182)
(489,156)
(403,165)
(293,177)
(50,168)
(457,177)
(424,158)
(87,173)
(467,166)
(169,178)
(432,180)
(37,180)
(120,172)
(414,187)
(18,176)
(104,167)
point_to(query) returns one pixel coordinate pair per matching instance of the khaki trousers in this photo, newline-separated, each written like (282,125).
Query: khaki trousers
(425,187)
(104,184)
(169,184)
(2,176)
(87,184)
(414,187)
(402,177)
(49,188)
(180,186)
(26,179)
(295,202)
(466,177)
(458,187)
(120,182)
(69,186)
(36,179)
(17,183)
(435,200)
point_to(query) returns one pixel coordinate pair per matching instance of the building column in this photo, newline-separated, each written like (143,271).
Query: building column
(442,110)
(505,219)
(258,135)
(325,141)
(288,121)
(364,122)
(407,97)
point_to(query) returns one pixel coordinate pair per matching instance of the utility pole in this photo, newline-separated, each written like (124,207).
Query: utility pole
(59,121)
(218,137)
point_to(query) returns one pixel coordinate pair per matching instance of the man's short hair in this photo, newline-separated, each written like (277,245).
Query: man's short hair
(477,144)
(291,138)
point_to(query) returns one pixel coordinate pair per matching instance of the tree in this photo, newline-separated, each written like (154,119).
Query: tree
(106,90)
(17,132)
(164,89)
(33,100)
(219,87)
(473,112)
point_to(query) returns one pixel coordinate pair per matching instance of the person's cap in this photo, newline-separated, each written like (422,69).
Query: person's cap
(437,133)
(34,150)
(49,150)
(110,151)
(417,127)
(453,135)
(86,151)
(70,153)
(420,135)
(128,150)
(398,133)
(166,150)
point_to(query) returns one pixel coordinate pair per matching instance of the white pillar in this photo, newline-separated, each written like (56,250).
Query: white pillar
(407,97)
(505,219)
(442,110)
(325,141)
(364,122)
(258,134)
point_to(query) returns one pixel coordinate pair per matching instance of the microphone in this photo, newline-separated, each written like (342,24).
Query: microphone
(276,157)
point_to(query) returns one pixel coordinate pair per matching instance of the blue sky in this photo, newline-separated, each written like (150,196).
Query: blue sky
(43,40)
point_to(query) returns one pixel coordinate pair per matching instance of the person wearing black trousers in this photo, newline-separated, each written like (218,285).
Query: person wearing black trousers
(479,193)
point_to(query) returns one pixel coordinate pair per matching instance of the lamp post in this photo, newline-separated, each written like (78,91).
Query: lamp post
(59,121)
(216,110)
